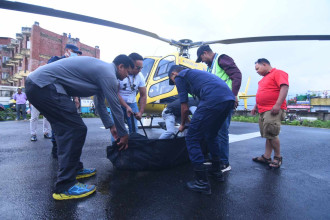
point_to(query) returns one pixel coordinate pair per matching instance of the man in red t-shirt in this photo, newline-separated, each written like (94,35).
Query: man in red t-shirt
(271,105)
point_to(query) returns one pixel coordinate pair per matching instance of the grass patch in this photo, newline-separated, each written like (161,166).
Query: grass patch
(305,123)
(9,115)
(251,119)
(88,115)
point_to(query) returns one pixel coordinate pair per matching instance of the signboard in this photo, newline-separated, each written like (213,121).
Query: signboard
(86,103)
(299,106)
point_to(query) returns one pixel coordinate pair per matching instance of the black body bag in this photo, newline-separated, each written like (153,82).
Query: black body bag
(148,154)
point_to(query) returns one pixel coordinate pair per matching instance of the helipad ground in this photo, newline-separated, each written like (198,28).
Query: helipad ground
(299,190)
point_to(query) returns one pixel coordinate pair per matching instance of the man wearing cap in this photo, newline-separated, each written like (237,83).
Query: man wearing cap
(50,87)
(225,68)
(70,50)
(216,103)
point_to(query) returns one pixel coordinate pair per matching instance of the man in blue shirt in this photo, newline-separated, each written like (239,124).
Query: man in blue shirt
(216,102)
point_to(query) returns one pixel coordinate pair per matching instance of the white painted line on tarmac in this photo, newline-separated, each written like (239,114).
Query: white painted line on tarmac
(235,137)
(104,127)
(241,137)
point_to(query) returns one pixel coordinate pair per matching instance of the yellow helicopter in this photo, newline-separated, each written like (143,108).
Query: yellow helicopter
(155,69)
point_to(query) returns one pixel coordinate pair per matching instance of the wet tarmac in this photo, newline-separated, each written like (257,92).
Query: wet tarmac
(300,189)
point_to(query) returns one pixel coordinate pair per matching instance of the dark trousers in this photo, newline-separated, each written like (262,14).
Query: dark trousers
(20,107)
(53,136)
(68,126)
(205,124)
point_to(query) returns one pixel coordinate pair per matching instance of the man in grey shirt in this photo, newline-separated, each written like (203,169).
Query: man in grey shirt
(49,89)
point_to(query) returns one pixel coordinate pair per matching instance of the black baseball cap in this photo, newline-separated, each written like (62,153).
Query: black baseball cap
(200,51)
(74,48)
(170,72)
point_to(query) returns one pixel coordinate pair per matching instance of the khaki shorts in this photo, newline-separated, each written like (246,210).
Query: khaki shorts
(270,125)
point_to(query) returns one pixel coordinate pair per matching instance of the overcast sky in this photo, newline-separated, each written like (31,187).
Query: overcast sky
(306,62)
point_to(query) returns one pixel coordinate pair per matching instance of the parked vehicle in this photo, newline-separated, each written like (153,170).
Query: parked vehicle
(6,94)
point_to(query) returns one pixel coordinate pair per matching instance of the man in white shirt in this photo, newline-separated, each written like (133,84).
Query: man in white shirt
(128,88)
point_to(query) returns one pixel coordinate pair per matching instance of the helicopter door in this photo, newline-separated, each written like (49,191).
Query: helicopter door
(158,87)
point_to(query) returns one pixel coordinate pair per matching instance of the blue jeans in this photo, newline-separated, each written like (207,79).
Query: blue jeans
(135,109)
(224,140)
(206,124)
(18,111)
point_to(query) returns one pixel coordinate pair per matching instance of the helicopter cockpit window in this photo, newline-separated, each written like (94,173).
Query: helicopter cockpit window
(147,66)
(160,88)
(164,66)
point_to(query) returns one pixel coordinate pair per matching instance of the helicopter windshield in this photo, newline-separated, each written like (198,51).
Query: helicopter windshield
(162,85)
(164,66)
(147,66)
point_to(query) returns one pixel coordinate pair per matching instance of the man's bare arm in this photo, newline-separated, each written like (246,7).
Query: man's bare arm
(143,98)
(283,93)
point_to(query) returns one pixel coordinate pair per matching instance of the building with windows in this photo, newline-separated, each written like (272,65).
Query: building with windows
(312,101)
(5,54)
(32,48)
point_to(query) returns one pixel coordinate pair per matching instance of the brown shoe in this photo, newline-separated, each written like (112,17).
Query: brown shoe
(262,159)
(276,163)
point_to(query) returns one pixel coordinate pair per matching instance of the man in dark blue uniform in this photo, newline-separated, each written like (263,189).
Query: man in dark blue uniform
(216,102)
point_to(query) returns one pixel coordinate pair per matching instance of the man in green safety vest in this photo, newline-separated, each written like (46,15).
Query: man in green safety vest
(225,68)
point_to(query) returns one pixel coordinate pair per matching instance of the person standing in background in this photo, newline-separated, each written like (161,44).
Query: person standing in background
(271,105)
(20,98)
(34,124)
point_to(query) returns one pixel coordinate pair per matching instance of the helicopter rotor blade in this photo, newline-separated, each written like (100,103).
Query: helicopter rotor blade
(198,43)
(269,38)
(176,43)
(35,9)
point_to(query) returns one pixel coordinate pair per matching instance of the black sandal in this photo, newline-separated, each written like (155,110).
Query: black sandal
(277,164)
(263,160)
